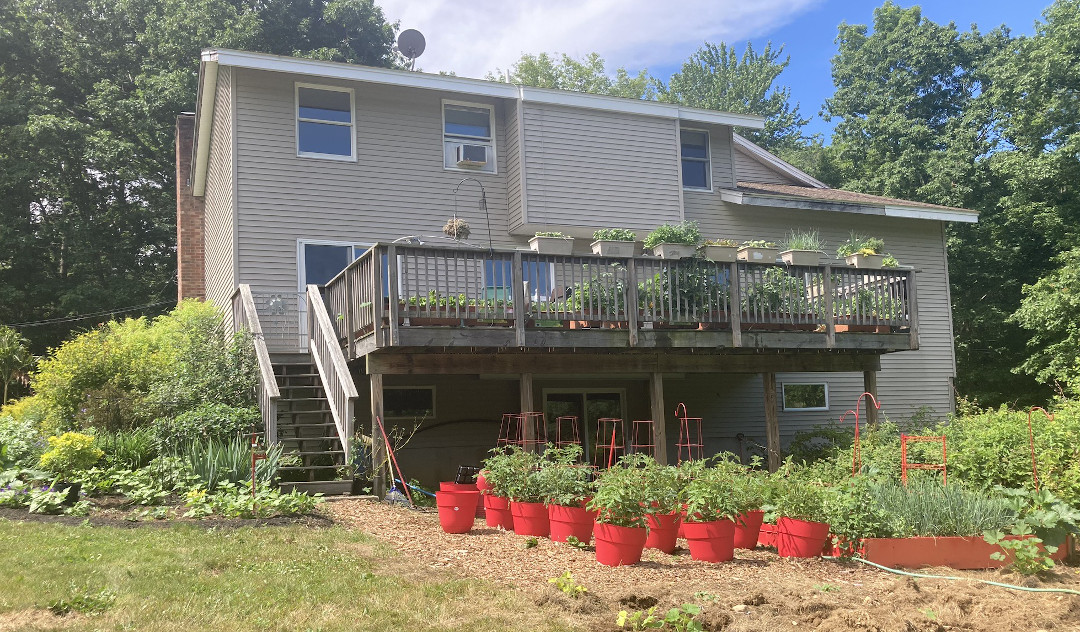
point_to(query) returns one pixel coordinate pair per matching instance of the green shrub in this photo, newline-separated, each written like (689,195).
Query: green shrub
(685,233)
(70,453)
(22,442)
(216,462)
(130,449)
(614,234)
(219,422)
(235,501)
(925,507)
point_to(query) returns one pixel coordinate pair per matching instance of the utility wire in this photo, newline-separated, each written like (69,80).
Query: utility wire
(69,319)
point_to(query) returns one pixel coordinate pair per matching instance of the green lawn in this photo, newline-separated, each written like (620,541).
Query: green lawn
(273,578)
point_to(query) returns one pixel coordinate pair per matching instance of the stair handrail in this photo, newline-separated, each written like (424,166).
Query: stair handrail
(333,370)
(266,388)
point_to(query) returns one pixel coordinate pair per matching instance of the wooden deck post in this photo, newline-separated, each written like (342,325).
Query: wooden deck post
(525,382)
(772,421)
(378,445)
(656,390)
(869,379)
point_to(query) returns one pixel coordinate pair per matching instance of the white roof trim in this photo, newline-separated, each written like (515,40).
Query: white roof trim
(763,199)
(764,157)
(475,87)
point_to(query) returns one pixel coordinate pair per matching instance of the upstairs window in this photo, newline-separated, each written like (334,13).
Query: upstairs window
(695,160)
(468,137)
(324,123)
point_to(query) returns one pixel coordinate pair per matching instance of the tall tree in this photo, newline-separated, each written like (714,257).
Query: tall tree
(715,78)
(589,74)
(89,92)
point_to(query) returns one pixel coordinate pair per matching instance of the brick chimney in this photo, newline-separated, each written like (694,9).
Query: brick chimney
(190,251)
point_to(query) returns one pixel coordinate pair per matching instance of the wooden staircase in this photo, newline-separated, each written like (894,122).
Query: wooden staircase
(306,429)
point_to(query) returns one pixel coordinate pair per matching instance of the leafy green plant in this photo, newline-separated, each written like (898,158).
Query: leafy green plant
(682,619)
(70,453)
(757,243)
(130,449)
(561,479)
(1029,555)
(21,440)
(663,486)
(576,543)
(85,603)
(860,244)
(15,360)
(614,234)
(639,620)
(803,240)
(46,501)
(236,501)
(531,543)
(683,233)
(622,493)
(550,233)
(721,492)
(925,507)
(566,584)
(220,422)
(515,474)
(730,243)
(799,498)
(216,462)
(890,262)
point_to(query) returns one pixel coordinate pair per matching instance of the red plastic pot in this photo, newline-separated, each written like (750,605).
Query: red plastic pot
(570,521)
(663,531)
(457,510)
(451,486)
(767,535)
(497,512)
(712,541)
(800,538)
(748,529)
(481,483)
(530,519)
(619,546)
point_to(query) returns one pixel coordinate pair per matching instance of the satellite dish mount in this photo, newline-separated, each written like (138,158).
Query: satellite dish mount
(411,43)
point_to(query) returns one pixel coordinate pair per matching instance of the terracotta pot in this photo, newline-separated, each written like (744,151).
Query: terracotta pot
(800,538)
(663,531)
(712,541)
(747,529)
(497,512)
(571,521)
(457,510)
(619,546)
(530,519)
(961,553)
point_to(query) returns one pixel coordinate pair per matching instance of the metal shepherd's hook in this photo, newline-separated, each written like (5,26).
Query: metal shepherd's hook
(483,207)
(857,452)
(1031,442)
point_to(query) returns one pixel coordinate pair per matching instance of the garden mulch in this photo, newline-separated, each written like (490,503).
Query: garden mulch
(757,590)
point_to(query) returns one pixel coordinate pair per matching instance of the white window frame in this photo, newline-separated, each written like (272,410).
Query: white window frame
(351,124)
(783,396)
(491,168)
(582,423)
(423,387)
(707,160)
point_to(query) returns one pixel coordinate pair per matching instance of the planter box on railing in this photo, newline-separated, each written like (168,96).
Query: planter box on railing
(552,245)
(674,251)
(720,254)
(865,261)
(758,255)
(801,257)
(613,248)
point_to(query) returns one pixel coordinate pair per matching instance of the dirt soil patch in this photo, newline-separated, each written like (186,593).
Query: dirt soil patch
(758,590)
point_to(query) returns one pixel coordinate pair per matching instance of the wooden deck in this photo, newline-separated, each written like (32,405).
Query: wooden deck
(469,298)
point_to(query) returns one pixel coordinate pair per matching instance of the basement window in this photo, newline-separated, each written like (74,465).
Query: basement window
(409,402)
(324,122)
(806,396)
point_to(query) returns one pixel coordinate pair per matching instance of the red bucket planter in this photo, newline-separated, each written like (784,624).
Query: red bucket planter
(457,510)
(570,521)
(748,529)
(451,486)
(800,538)
(619,546)
(663,531)
(530,519)
(712,541)
(767,535)
(970,553)
(497,512)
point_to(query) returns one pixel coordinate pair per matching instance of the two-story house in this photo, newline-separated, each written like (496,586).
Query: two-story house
(311,207)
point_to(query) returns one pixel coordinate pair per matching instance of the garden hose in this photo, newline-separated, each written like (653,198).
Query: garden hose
(415,488)
(982,581)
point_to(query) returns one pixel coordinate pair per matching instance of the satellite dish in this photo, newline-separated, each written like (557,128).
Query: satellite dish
(411,43)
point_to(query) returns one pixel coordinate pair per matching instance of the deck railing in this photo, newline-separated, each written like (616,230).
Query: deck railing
(246,316)
(401,285)
(333,371)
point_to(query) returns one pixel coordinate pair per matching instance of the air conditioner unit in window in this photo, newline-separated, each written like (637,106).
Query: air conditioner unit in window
(470,155)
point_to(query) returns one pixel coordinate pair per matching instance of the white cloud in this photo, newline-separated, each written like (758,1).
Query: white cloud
(472,37)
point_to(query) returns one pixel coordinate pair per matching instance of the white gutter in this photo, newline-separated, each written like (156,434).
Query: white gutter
(204,123)
(781,201)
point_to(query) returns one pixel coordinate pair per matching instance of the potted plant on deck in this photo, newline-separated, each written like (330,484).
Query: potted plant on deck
(567,486)
(802,248)
(621,502)
(758,251)
(552,243)
(720,250)
(614,242)
(674,241)
(862,251)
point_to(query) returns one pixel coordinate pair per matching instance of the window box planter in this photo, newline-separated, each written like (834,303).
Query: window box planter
(674,251)
(758,255)
(720,254)
(801,257)
(552,245)
(961,553)
(612,248)
(873,262)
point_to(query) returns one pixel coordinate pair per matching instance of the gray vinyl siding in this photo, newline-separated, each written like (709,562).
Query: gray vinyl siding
(220,254)
(748,169)
(397,186)
(908,379)
(514,194)
(600,169)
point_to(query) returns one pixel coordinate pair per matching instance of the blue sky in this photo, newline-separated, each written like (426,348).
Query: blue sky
(479,36)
